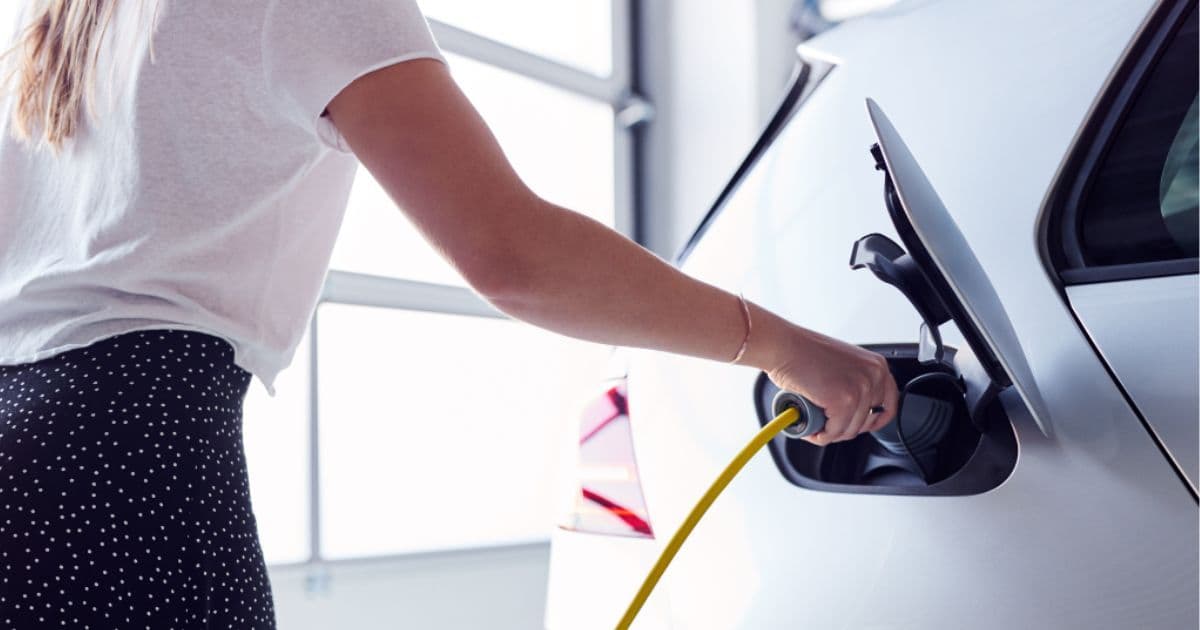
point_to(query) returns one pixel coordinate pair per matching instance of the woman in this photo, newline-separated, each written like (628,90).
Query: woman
(172,178)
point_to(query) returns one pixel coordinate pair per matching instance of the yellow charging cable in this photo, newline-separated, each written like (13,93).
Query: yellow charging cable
(773,428)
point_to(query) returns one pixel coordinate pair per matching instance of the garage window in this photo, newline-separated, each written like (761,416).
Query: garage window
(362,452)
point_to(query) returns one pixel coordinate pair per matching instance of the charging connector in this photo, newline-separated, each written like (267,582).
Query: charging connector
(812,418)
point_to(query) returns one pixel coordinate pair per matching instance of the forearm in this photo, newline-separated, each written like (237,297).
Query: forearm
(419,136)
(579,278)
(535,261)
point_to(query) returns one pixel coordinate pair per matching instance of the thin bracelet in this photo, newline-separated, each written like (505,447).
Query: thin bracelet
(749,326)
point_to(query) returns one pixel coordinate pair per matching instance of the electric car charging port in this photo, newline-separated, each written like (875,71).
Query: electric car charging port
(954,458)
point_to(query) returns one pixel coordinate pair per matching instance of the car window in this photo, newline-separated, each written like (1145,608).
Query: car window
(1141,205)
(1179,187)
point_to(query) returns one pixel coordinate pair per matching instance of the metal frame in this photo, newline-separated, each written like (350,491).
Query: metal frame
(314,450)
(343,287)
(468,44)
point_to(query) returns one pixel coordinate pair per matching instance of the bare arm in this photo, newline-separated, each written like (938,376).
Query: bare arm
(420,137)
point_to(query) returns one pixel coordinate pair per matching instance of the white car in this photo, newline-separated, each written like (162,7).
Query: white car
(1025,172)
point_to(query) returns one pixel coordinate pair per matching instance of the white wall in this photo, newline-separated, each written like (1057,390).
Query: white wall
(714,69)
(497,589)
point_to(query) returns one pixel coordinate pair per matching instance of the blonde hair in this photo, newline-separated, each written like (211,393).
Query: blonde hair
(55,68)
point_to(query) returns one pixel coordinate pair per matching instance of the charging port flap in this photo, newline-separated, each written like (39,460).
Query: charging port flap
(938,272)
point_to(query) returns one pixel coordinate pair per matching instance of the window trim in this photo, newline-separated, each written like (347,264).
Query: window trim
(1131,271)
(806,77)
(459,41)
(359,289)
(1062,251)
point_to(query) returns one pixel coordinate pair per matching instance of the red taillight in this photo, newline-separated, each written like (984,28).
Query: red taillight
(608,492)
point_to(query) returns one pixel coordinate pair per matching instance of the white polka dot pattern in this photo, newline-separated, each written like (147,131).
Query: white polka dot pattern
(124,498)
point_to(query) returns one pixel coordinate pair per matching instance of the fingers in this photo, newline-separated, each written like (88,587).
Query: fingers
(858,423)
(891,405)
(845,421)
(858,412)
(819,439)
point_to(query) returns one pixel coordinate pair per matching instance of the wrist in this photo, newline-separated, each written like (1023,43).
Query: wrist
(772,341)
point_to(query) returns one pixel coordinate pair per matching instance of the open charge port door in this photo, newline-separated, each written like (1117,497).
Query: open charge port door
(951,435)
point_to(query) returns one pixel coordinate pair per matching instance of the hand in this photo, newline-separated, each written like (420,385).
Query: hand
(843,379)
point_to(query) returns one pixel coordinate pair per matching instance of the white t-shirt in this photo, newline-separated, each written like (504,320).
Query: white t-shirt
(208,191)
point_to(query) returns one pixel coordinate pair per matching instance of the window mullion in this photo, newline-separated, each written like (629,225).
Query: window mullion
(366,290)
(622,43)
(480,48)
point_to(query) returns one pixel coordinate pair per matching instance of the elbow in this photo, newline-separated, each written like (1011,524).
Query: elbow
(509,263)
(505,278)
(497,289)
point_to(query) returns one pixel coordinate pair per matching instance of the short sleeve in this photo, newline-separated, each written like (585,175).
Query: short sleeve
(313,49)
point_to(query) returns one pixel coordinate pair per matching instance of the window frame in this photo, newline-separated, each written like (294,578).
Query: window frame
(1060,238)
(630,111)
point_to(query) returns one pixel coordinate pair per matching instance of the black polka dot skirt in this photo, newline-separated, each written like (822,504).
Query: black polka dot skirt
(124,500)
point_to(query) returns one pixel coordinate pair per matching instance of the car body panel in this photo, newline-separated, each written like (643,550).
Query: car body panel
(1158,365)
(1093,529)
(591,582)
